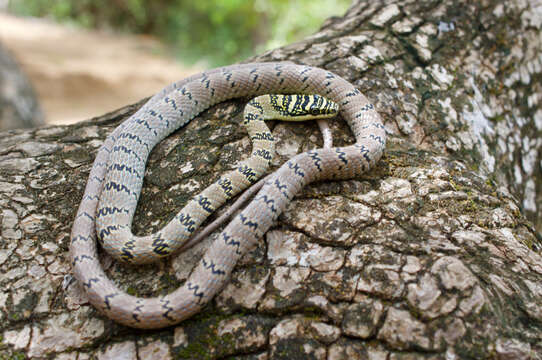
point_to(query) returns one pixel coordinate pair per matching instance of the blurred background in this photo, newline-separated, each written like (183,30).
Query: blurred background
(86,57)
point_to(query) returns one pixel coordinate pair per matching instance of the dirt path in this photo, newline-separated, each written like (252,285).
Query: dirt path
(79,74)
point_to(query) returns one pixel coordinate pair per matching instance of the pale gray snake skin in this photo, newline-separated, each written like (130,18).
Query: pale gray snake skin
(131,143)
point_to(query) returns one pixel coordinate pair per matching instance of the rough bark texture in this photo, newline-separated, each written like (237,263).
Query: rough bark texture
(19,107)
(426,256)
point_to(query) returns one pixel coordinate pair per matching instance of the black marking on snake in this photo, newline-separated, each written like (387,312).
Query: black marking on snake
(160,246)
(186,92)
(265,154)
(118,187)
(364,152)
(91,197)
(99,179)
(212,266)
(80,237)
(245,221)
(279,72)
(248,173)
(378,125)
(125,150)
(258,87)
(253,71)
(233,84)
(228,75)
(85,214)
(256,104)
(88,284)
(228,240)
(171,101)
(352,93)
(123,167)
(279,185)
(377,138)
(297,170)
(194,289)
(281,188)
(364,108)
(165,306)
(346,102)
(126,251)
(81,258)
(205,204)
(226,185)
(161,118)
(316,159)
(274,100)
(270,203)
(207,83)
(305,102)
(107,231)
(342,155)
(144,122)
(107,298)
(262,136)
(330,75)
(250,117)
(127,135)
(305,79)
(255,78)
(187,222)
(137,309)
(106,210)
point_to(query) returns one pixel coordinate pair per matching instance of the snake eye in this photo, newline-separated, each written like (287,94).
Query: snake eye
(315,112)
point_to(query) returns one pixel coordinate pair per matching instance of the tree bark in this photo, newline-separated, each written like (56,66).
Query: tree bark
(427,256)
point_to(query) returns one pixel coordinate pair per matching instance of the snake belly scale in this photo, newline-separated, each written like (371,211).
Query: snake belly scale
(173,107)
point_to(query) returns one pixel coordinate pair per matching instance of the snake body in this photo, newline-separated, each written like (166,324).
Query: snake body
(119,197)
(130,144)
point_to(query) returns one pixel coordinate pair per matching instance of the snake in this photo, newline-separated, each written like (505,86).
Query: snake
(116,177)
(118,199)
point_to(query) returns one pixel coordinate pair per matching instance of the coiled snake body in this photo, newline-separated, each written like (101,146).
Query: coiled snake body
(115,181)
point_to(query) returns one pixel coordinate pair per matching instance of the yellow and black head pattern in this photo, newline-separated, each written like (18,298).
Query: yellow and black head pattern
(299,107)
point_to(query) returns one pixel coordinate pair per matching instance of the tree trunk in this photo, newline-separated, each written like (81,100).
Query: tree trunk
(428,255)
(19,107)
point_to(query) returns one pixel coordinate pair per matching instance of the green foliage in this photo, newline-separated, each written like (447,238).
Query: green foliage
(216,31)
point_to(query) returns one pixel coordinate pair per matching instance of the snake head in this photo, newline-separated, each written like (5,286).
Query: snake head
(297,107)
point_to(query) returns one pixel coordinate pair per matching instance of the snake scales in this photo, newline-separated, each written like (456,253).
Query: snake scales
(121,180)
